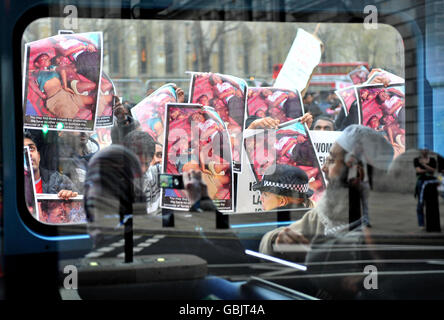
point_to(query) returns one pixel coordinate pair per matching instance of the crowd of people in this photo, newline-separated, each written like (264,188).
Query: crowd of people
(288,184)
(123,178)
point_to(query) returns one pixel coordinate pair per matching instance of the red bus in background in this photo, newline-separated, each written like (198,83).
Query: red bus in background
(333,75)
(328,75)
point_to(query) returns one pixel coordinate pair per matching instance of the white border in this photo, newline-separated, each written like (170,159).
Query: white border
(25,82)
(37,211)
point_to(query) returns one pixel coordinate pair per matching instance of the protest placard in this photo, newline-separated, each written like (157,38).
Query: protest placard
(383,74)
(383,109)
(196,139)
(105,109)
(347,96)
(56,211)
(359,75)
(291,145)
(248,200)
(281,104)
(150,112)
(61,82)
(304,55)
(228,96)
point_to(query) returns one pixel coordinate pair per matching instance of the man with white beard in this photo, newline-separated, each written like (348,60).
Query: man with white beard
(332,215)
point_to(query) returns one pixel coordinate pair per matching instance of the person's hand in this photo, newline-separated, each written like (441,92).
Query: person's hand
(289,236)
(90,48)
(43,96)
(180,95)
(381,79)
(68,90)
(194,185)
(264,123)
(307,119)
(67,194)
(119,110)
(300,139)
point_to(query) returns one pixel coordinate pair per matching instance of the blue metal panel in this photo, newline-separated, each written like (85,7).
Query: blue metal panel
(434,66)
(438,119)
(17,237)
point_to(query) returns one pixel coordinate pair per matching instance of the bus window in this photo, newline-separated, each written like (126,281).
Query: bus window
(299,143)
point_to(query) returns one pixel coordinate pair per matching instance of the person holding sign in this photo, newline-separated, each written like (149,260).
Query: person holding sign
(47,181)
(323,123)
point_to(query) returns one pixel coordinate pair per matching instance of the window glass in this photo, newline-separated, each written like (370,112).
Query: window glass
(245,58)
(303,142)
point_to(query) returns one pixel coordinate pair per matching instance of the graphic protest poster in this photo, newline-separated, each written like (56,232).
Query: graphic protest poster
(228,96)
(347,96)
(359,75)
(382,74)
(196,139)
(56,211)
(383,109)
(304,55)
(30,198)
(105,109)
(61,82)
(150,112)
(248,200)
(290,145)
(281,104)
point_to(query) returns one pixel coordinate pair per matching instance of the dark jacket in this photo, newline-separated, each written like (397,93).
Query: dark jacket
(122,128)
(53,182)
(343,121)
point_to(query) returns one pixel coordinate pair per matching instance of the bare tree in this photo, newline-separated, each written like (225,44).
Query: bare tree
(204,43)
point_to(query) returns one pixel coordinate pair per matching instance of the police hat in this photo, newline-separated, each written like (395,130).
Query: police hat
(285,180)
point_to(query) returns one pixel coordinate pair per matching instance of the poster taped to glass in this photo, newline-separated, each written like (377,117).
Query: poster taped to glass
(280,104)
(62,81)
(105,108)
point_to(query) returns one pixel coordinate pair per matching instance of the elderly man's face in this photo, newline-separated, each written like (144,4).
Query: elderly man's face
(334,164)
